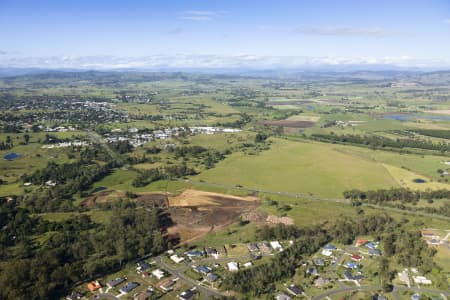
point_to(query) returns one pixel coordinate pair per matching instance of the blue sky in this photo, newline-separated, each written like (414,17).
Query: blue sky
(107,32)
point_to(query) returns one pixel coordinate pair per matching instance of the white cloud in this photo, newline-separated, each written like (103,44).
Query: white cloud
(186,61)
(201,15)
(342,31)
(447,21)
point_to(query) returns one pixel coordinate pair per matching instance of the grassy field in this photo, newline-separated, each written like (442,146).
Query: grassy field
(300,167)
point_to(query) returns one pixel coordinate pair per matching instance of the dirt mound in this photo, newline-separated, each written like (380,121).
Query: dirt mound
(290,123)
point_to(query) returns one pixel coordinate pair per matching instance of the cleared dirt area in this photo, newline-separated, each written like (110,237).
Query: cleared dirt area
(193,213)
(201,198)
(196,213)
(290,123)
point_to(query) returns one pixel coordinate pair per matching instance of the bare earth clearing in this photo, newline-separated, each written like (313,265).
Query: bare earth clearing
(196,213)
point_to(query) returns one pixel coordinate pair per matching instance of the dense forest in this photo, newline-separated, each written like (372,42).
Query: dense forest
(71,250)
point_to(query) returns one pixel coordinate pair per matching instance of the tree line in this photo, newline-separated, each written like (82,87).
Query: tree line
(381,142)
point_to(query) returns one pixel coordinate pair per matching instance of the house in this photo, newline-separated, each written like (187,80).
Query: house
(327,253)
(294,290)
(115,282)
(143,267)
(371,245)
(129,287)
(351,265)
(211,277)
(312,271)
(319,261)
(378,297)
(211,252)
(74,296)
(202,269)
(168,285)
(276,245)
(233,266)
(434,242)
(415,297)
(422,280)
(144,295)
(349,276)
(321,282)
(177,259)
(186,295)
(360,242)
(356,257)
(94,285)
(375,252)
(283,297)
(403,276)
(252,248)
(158,273)
(330,247)
(194,253)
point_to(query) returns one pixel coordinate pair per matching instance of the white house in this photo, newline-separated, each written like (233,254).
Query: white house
(276,245)
(233,266)
(158,273)
(177,259)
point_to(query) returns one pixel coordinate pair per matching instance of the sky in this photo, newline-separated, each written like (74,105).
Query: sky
(231,33)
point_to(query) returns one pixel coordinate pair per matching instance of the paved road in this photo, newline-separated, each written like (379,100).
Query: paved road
(95,138)
(179,273)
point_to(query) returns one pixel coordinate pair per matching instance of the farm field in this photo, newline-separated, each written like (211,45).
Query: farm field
(300,167)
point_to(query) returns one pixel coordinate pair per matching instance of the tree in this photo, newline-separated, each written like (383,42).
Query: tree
(26,138)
